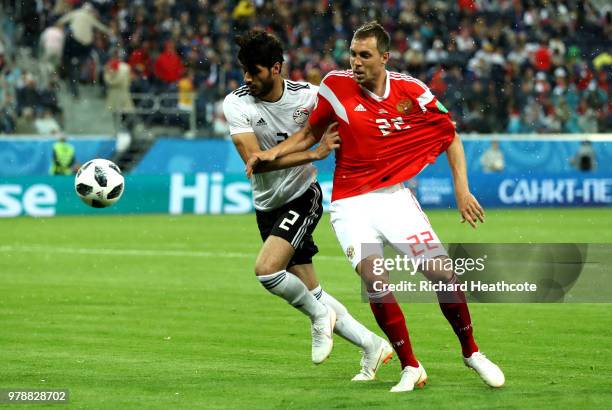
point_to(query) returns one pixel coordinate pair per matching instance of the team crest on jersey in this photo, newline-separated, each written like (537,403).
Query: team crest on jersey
(300,116)
(350,252)
(404,106)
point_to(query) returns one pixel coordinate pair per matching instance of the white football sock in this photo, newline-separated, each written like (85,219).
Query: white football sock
(292,289)
(346,325)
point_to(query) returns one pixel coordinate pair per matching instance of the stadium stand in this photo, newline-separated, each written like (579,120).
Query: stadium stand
(500,66)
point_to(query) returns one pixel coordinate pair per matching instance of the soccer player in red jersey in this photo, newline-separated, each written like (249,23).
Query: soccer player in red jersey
(390,127)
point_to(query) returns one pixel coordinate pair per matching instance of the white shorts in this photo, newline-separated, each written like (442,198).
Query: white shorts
(365,223)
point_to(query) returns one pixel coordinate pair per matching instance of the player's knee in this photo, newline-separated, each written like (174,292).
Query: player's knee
(371,272)
(266,267)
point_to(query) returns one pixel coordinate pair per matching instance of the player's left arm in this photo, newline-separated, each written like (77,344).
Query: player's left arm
(467,204)
(297,146)
(299,143)
(329,142)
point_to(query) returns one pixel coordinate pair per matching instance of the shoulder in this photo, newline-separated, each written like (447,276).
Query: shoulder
(338,74)
(239,97)
(408,82)
(240,92)
(298,85)
(337,77)
(301,91)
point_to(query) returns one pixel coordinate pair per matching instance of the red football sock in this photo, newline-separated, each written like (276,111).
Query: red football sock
(455,309)
(390,318)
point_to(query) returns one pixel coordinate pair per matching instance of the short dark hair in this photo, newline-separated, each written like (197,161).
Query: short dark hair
(374,29)
(258,47)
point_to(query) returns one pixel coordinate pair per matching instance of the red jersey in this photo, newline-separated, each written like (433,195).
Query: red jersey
(385,140)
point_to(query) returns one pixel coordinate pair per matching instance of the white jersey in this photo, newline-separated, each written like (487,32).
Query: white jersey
(273,122)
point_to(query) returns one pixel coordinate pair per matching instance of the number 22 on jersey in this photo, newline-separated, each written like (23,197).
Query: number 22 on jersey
(385,126)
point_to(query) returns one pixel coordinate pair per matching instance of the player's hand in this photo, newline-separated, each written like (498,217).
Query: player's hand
(256,158)
(329,142)
(470,209)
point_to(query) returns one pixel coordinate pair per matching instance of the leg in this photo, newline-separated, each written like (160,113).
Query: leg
(270,270)
(453,305)
(346,325)
(409,232)
(387,311)
(376,350)
(416,238)
(361,242)
(307,274)
(282,231)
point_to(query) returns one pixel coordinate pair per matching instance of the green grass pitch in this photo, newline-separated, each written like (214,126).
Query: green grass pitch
(165,312)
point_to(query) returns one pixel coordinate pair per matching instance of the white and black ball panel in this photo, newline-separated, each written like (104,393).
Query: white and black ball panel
(83,189)
(115,167)
(100,176)
(99,183)
(115,192)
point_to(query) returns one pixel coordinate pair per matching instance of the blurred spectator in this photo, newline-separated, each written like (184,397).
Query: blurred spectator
(587,119)
(542,58)
(436,54)
(48,99)
(185,91)
(52,45)
(140,59)
(117,77)
(81,24)
(313,76)
(51,50)
(63,160)
(244,9)
(168,66)
(25,122)
(46,124)
(602,60)
(585,159)
(542,86)
(7,114)
(493,159)
(27,93)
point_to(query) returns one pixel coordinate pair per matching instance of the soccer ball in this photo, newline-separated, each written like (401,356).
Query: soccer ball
(99,183)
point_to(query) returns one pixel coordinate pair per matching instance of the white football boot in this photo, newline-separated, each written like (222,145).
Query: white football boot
(488,371)
(411,377)
(322,330)
(372,359)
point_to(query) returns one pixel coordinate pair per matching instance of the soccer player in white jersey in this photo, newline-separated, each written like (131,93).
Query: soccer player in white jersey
(262,113)
(391,127)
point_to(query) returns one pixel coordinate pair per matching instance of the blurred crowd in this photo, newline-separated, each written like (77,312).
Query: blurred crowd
(517,66)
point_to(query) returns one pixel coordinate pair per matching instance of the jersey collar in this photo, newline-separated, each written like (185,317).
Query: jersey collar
(387,89)
(281,99)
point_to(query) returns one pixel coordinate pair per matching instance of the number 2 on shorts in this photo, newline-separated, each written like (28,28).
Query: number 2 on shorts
(289,221)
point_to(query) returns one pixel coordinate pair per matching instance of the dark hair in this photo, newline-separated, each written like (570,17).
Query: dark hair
(373,29)
(258,47)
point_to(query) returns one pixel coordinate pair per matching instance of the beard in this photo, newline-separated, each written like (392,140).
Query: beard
(263,89)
